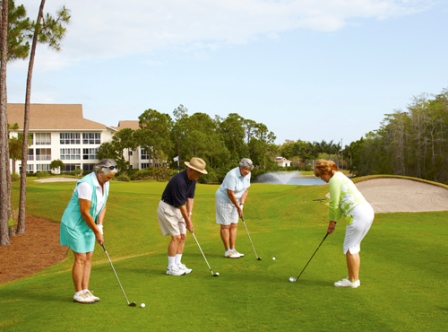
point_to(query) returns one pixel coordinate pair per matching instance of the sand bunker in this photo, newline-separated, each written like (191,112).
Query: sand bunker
(401,195)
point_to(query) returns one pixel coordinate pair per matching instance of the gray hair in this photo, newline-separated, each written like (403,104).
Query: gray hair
(246,163)
(104,163)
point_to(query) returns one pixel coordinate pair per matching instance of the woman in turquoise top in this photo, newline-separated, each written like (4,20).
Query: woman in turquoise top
(82,223)
(345,199)
(230,198)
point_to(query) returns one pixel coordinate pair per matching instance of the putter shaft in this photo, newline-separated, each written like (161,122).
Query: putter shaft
(250,239)
(312,256)
(131,304)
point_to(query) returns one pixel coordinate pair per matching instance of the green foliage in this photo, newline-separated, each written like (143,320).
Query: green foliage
(250,295)
(42,174)
(15,177)
(18,27)
(411,143)
(56,164)
(123,177)
(77,172)
(153,173)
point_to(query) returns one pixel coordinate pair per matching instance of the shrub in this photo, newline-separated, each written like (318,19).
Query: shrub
(123,177)
(77,172)
(42,174)
(15,177)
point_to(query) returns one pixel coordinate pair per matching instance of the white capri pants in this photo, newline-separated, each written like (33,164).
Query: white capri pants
(363,216)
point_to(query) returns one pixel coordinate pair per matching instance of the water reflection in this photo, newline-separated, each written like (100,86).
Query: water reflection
(294,178)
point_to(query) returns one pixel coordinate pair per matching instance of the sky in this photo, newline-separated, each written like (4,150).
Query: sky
(309,70)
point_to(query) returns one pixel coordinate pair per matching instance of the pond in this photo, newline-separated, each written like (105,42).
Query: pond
(294,178)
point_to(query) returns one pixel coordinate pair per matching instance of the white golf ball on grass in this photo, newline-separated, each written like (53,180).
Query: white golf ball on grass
(273,258)
(142,305)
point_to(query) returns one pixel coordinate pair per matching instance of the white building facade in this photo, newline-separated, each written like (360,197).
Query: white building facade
(58,131)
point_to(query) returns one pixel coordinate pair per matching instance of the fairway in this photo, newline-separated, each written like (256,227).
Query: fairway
(403,270)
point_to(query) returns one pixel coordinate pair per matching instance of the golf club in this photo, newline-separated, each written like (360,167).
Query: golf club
(132,304)
(292,279)
(213,274)
(247,231)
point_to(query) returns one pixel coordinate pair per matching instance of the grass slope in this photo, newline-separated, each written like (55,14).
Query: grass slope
(403,272)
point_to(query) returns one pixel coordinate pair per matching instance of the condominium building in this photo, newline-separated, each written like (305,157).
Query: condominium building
(58,131)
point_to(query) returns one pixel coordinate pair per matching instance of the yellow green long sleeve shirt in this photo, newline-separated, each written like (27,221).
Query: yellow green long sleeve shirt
(344,197)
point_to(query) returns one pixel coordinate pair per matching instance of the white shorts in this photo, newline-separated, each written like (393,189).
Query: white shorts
(226,213)
(171,220)
(363,216)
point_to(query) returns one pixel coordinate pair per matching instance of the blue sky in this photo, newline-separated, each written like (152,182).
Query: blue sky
(308,69)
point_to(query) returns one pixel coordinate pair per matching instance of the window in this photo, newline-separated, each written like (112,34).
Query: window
(42,138)
(43,154)
(91,138)
(144,165)
(87,167)
(42,167)
(89,154)
(144,154)
(70,138)
(29,168)
(68,168)
(30,155)
(70,154)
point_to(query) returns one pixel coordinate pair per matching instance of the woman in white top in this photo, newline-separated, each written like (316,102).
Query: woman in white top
(230,198)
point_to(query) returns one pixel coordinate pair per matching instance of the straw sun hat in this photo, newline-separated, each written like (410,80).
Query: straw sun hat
(197,164)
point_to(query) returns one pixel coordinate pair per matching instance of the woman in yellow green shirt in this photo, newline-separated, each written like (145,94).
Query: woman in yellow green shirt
(345,199)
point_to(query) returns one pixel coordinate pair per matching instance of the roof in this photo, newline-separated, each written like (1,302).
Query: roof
(131,124)
(52,117)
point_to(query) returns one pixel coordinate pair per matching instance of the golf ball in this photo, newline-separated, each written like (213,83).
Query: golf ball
(217,273)
(291,279)
(273,258)
(142,305)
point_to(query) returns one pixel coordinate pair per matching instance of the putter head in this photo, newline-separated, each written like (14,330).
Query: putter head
(216,274)
(259,258)
(132,304)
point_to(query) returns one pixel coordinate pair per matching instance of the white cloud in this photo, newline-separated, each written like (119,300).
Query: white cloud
(112,28)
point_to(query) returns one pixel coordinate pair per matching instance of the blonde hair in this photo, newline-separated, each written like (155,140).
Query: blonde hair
(324,167)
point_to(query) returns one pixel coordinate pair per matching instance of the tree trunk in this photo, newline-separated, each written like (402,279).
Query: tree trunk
(26,124)
(4,156)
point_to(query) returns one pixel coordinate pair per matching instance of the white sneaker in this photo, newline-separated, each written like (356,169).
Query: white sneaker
(174,271)
(82,298)
(234,254)
(347,283)
(241,255)
(183,267)
(89,294)
(228,253)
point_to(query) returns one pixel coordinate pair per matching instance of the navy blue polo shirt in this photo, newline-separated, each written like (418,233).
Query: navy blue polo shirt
(179,189)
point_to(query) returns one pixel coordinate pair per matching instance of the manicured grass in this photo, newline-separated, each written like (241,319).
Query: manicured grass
(403,273)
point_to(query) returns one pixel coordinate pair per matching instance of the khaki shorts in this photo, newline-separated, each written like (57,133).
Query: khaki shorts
(171,220)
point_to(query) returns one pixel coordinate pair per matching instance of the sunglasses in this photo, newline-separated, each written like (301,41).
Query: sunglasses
(110,167)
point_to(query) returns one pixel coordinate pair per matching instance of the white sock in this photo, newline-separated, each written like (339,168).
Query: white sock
(178,258)
(79,293)
(171,261)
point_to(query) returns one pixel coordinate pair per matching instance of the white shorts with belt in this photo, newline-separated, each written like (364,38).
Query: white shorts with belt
(363,216)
